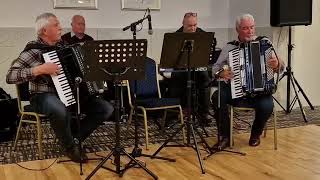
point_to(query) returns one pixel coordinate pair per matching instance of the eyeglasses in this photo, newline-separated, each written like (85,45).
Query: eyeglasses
(190,14)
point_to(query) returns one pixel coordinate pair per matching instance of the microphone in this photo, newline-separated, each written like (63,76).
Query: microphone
(150,31)
(225,67)
(78,80)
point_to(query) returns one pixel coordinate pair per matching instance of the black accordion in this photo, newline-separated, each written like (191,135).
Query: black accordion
(252,75)
(71,63)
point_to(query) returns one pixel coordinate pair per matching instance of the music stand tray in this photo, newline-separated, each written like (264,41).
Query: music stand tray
(115,60)
(105,58)
(173,48)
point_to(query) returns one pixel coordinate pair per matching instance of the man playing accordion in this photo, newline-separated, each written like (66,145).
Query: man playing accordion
(262,103)
(30,67)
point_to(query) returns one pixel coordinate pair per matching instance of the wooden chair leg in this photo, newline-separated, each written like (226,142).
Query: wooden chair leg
(18,133)
(39,134)
(265,130)
(275,135)
(146,127)
(231,127)
(182,122)
(130,119)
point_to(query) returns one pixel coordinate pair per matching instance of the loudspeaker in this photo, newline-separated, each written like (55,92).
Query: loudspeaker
(290,12)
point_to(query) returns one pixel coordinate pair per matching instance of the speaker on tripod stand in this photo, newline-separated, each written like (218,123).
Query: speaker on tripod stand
(291,13)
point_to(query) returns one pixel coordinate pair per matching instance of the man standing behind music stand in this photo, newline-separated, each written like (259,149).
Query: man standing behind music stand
(29,66)
(178,80)
(77,34)
(263,104)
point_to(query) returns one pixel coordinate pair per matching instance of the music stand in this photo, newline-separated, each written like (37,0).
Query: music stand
(116,60)
(187,50)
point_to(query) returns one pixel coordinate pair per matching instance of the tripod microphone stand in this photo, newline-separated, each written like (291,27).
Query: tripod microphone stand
(118,150)
(137,151)
(291,80)
(122,60)
(77,82)
(218,148)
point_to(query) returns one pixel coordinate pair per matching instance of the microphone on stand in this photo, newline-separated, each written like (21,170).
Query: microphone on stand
(150,31)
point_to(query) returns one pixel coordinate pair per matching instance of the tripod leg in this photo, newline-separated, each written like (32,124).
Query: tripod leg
(206,145)
(300,104)
(301,90)
(284,109)
(100,165)
(197,149)
(169,139)
(140,165)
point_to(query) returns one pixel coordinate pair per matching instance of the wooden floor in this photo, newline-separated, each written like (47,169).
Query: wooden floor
(298,157)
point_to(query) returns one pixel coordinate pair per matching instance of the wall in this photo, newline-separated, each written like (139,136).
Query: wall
(306,61)
(109,15)
(105,23)
(17,19)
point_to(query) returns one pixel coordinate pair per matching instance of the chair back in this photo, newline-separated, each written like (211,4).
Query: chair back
(149,86)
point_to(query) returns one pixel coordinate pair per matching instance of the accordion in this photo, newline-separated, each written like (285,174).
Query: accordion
(252,75)
(70,61)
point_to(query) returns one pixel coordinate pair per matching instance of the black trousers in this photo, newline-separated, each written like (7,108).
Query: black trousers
(262,104)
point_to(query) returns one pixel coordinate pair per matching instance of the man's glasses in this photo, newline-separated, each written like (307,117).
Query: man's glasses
(190,14)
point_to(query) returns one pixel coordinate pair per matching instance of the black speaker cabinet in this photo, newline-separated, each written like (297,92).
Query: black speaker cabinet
(290,12)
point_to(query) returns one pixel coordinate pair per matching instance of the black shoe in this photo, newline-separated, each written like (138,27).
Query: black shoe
(74,154)
(254,141)
(224,143)
(204,120)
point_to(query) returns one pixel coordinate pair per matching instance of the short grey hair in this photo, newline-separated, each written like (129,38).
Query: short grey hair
(242,17)
(41,21)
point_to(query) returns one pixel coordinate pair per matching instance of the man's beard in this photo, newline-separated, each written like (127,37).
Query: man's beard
(251,38)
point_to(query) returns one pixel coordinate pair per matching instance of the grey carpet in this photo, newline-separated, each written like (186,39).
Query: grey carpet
(103,138)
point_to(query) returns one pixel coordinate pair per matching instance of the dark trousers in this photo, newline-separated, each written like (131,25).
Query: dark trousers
(262,104)
(201,93)
(96,110)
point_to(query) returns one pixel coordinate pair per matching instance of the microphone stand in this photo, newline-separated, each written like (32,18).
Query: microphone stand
(133,26)
(213,149)
(78,81)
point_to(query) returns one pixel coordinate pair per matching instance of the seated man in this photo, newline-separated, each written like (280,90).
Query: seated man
(178,82)
(30,66)
(263,104)
(77,34)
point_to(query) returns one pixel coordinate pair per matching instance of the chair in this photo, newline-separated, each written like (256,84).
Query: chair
(148,97)
(238,108)
(26,113)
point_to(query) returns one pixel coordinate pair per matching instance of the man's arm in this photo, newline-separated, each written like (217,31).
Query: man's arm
(26,68)
(275,63)
(218,68)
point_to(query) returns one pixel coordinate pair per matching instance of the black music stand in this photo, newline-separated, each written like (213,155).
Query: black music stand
(187,50)
(76,82)
(116,60)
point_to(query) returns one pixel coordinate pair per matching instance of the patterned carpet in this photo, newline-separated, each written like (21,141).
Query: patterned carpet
(103,138)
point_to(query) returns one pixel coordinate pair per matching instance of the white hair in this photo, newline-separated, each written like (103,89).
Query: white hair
(242,17)
(41,21)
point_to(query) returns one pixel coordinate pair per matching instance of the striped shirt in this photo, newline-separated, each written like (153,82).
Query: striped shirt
(224,58)
(21,70)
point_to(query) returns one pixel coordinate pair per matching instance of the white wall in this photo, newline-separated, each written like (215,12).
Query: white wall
(212,13)
(17,20)
(305,56)
(260,9)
